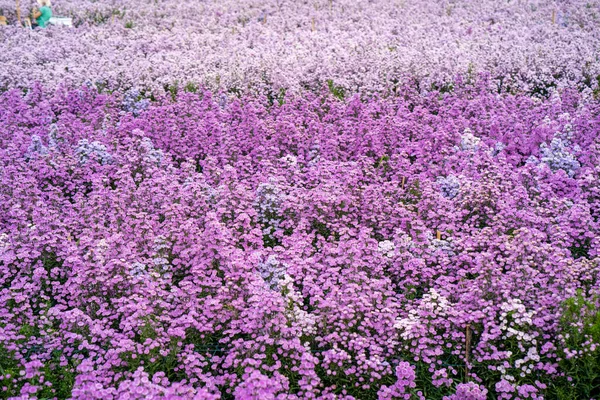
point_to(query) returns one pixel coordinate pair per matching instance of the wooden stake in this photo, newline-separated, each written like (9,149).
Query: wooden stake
(403,180)
(468,336)
(313,24)
(438,235)
(553,17)
(18,12)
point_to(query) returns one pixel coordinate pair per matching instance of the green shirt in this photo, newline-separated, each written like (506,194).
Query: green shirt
(42,20)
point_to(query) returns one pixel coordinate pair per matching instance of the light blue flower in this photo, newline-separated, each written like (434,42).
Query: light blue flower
(449,186)
(133,103)
(36,148)
(85,149)
(558,155)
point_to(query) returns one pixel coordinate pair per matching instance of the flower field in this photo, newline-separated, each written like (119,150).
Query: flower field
(326,199)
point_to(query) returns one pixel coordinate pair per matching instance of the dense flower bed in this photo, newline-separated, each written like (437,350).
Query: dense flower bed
(331,199)
(423,246)
(257,46)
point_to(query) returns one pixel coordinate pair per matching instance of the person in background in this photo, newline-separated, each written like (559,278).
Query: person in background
(42,15)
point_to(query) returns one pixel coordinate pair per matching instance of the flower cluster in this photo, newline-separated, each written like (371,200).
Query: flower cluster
(468,141)
(450,186)
(468,391)
(277,46)
(308,248)
(402,389)
(95,150)
(133,103)
(36,148)
(557,156)
(268,204)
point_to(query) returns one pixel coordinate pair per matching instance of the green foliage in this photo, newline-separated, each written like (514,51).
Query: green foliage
(337,91)
(9,369)
(129,24)
(278,97)
(382,162)
(58,371)
(597,89)
(172,89)
(281,97)
(580,329)
(511,232)
(581,248)
(443,88)
(425,383)
(471,76)
(320,228)
(412,292)
(235,91)
(191,87)
(98,17)
(542,89)
(413,193)
(154,361)
(101,86)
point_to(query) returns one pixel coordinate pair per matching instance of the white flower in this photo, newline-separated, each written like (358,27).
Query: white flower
(468,141)
(387,248)
(532,354)
(290,160)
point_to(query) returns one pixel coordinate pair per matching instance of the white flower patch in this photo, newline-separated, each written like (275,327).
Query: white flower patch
(269,198)
(4,242)
(468,141)
(304,320)
(433,304)
(408,325)
(289,160)
(515,320)
(387,248)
